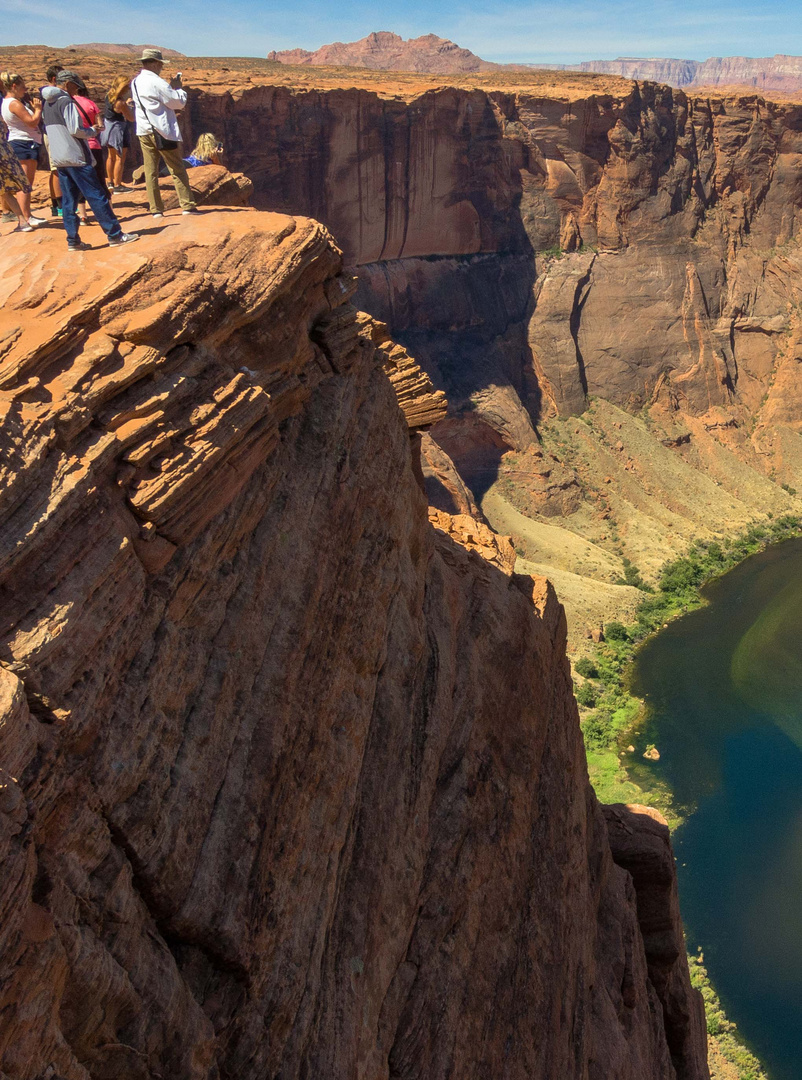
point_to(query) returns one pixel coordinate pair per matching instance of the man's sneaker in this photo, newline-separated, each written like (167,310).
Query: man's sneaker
(34,221)
(8,216)
(23,226)
(157,215)
(192,210)
(78,245)
(123,238)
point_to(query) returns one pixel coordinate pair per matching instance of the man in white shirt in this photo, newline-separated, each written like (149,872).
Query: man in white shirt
(156,103)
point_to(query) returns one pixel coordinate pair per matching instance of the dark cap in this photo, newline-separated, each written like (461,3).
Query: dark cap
(66,76)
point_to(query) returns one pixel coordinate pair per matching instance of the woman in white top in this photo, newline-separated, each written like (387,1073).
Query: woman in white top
(24,136)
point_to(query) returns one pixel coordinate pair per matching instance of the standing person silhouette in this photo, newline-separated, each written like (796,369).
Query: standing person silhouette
(156,103)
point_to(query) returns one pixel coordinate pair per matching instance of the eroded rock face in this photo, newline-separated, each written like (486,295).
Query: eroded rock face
(779,72)
(640,843)
(293,783)
(552,248)
(385,51)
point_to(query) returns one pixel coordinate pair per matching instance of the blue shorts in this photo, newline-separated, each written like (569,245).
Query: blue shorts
(25,149)
(117,135)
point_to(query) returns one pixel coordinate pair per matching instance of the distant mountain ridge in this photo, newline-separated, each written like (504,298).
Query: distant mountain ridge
(386,51)
(779,72)
(111,49)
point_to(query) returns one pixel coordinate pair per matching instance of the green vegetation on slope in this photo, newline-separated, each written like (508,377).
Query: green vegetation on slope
(727,1048)
(615,711)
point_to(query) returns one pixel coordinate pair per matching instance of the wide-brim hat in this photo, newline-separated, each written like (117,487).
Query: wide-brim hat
(66,76)
(153,54)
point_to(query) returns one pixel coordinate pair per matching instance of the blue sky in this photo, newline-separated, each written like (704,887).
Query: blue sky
(557,31)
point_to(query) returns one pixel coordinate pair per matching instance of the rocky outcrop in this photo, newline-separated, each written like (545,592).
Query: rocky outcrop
(385,51)
(639,840)
(292,782)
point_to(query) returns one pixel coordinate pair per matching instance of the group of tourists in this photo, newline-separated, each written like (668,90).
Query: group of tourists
(87,146)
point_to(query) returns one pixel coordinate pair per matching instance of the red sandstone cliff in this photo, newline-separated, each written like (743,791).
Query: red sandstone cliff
(768,73)
(385,51)
(292,781)
(541,242)
(446,200)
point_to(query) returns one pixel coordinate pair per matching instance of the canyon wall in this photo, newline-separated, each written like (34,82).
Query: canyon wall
(537,251)
(292,782)
(780,72)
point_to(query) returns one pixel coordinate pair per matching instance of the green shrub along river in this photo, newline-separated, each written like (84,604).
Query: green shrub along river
(722,688)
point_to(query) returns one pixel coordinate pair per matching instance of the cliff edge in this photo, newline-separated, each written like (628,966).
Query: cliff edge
(292,781)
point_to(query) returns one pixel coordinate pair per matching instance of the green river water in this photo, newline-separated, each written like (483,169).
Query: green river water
(723,688)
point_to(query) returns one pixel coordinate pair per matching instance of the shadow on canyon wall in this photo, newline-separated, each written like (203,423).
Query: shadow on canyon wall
(535,252)
(425,198)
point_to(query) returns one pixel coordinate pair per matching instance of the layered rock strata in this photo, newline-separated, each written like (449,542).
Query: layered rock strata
(536,252)
(293,783)
(542,243)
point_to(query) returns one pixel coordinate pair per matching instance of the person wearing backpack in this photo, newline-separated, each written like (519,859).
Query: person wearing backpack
(69,152)
(156,103)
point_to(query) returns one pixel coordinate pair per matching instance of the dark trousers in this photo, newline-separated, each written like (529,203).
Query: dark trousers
(100,171)
(77,180)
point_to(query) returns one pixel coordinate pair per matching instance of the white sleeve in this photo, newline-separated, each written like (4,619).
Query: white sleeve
(173,99)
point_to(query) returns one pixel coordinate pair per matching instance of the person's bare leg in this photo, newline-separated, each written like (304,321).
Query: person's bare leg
(24,199)
(111,166)
(121,167)
(12,206)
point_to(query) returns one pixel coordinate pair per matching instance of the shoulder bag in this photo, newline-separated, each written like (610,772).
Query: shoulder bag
(162,143)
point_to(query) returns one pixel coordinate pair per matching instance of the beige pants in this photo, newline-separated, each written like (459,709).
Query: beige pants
(178,171)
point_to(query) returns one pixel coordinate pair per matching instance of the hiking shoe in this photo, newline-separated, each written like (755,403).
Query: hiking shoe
(23,227)
(78,245)
(192,210)
(8,216)
(123,238)
(157,215)
(34,221)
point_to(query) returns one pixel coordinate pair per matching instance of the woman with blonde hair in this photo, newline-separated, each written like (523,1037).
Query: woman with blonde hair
(208,151)
(24,138)
(118,115)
